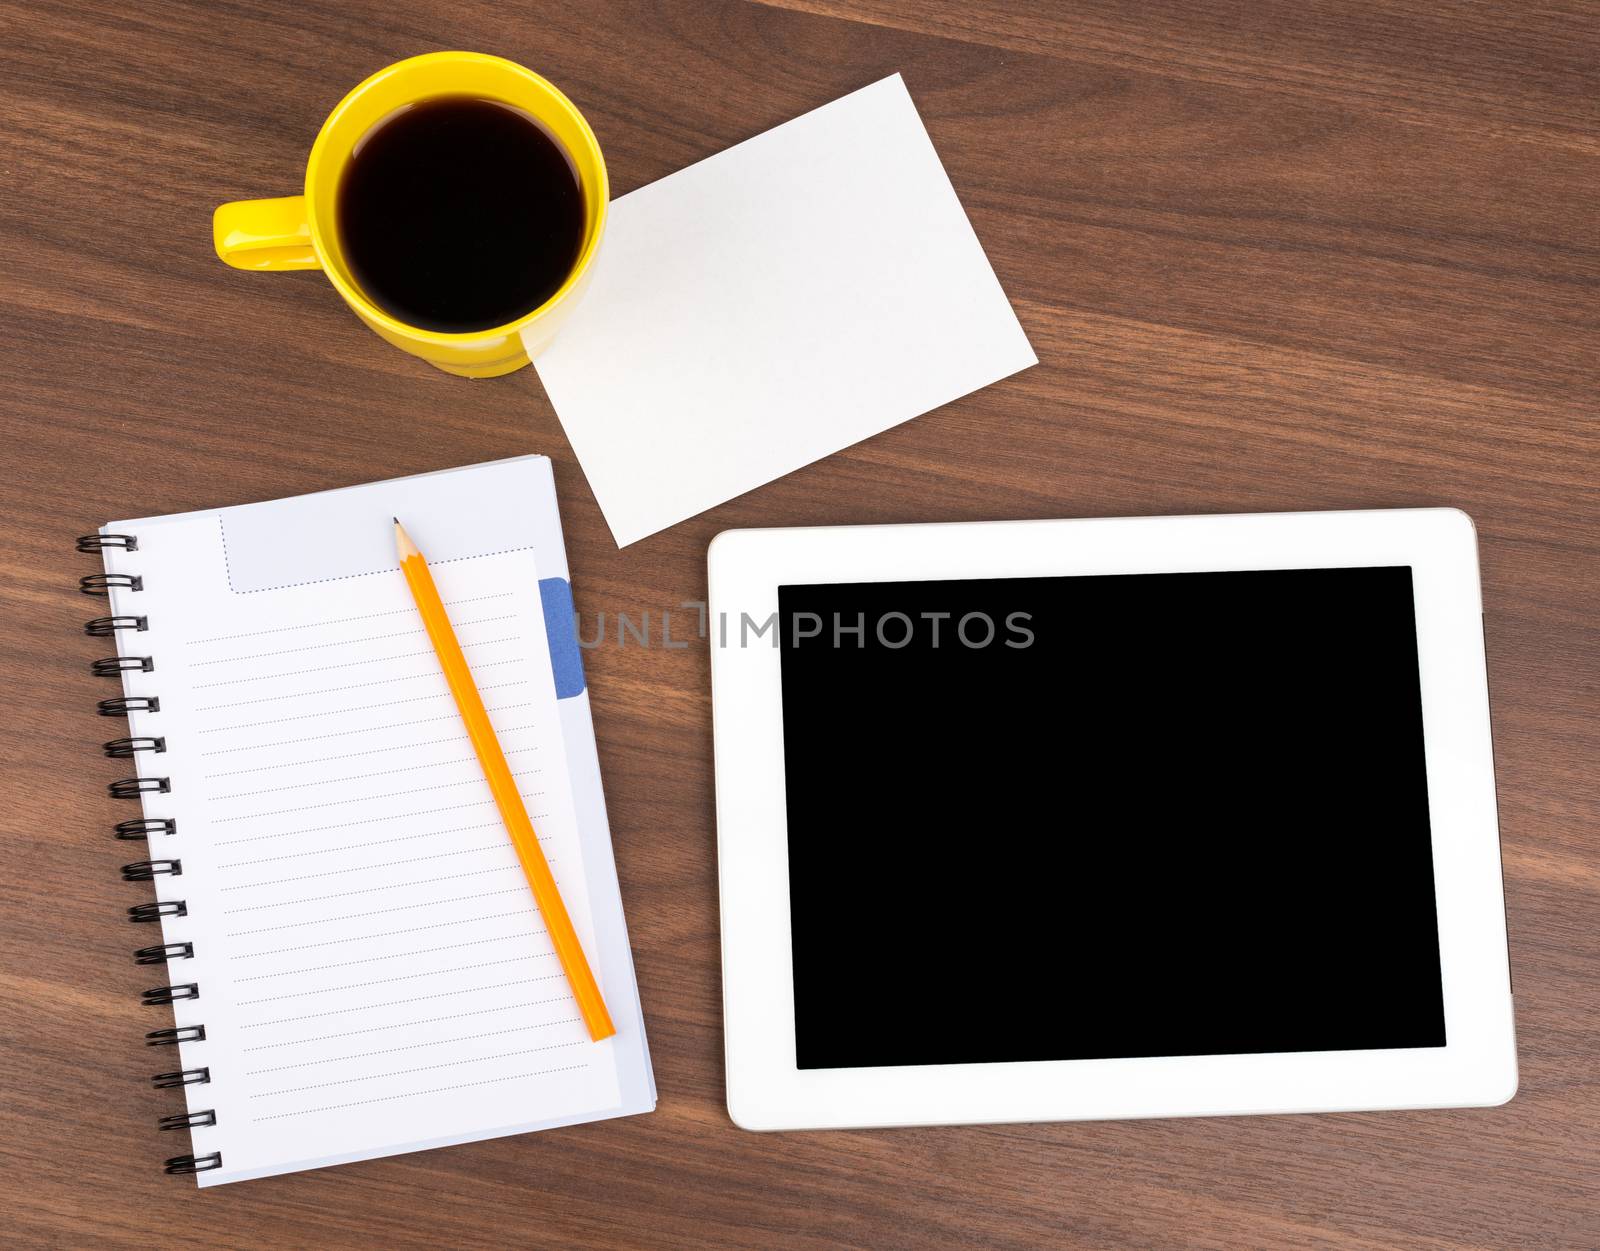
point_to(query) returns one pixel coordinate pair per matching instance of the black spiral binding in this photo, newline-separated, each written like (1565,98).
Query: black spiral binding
(124,704)
(184,1165)
(165,953)
(132,788)
(105,627)
(113,665)
(172,1037)
(124,748)
(188,1120)
(99,542)
(183,1077)
(102,583)
(141,829)
(158,995)
(158,909)
(149,870)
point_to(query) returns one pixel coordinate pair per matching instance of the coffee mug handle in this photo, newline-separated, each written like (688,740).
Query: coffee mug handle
(264,234)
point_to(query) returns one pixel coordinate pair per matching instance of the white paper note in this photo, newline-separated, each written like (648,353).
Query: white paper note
(772,304)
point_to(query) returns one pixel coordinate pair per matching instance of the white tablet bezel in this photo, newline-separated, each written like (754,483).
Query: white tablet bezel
(765,1088)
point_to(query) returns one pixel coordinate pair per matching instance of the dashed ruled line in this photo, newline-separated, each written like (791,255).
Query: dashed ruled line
(305,716)
(366,729)
(315,625)
(411,1094)
(354,686)
(360,777)
(371,751)
(362,799)
(317,647)
(423,1068)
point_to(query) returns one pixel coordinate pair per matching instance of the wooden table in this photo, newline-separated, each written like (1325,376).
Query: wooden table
(1338,254)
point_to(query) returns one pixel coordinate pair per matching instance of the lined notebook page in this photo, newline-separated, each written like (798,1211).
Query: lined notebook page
(374,972)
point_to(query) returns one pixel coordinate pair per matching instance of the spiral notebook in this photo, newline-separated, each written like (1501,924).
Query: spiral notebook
(354,959)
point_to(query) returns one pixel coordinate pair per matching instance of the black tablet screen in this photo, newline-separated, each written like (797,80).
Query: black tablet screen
(1090,817)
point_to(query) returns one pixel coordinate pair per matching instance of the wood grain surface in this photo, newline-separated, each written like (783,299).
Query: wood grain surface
(1333,254)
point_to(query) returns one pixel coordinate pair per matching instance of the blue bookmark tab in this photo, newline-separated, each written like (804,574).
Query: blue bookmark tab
(561,630)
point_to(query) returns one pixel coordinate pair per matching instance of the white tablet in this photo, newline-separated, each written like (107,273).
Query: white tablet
(1048,820)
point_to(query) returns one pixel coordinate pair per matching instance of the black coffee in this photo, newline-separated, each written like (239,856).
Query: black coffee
(459,214)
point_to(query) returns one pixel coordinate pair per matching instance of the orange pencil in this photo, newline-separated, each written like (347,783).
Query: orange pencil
(504,787)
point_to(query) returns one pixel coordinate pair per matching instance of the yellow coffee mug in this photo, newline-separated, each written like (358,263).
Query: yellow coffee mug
(300,231)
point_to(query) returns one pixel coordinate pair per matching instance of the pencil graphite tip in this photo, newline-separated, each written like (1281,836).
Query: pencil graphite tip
(402,542)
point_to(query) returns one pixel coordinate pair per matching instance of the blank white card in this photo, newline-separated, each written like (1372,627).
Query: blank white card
(764,308)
